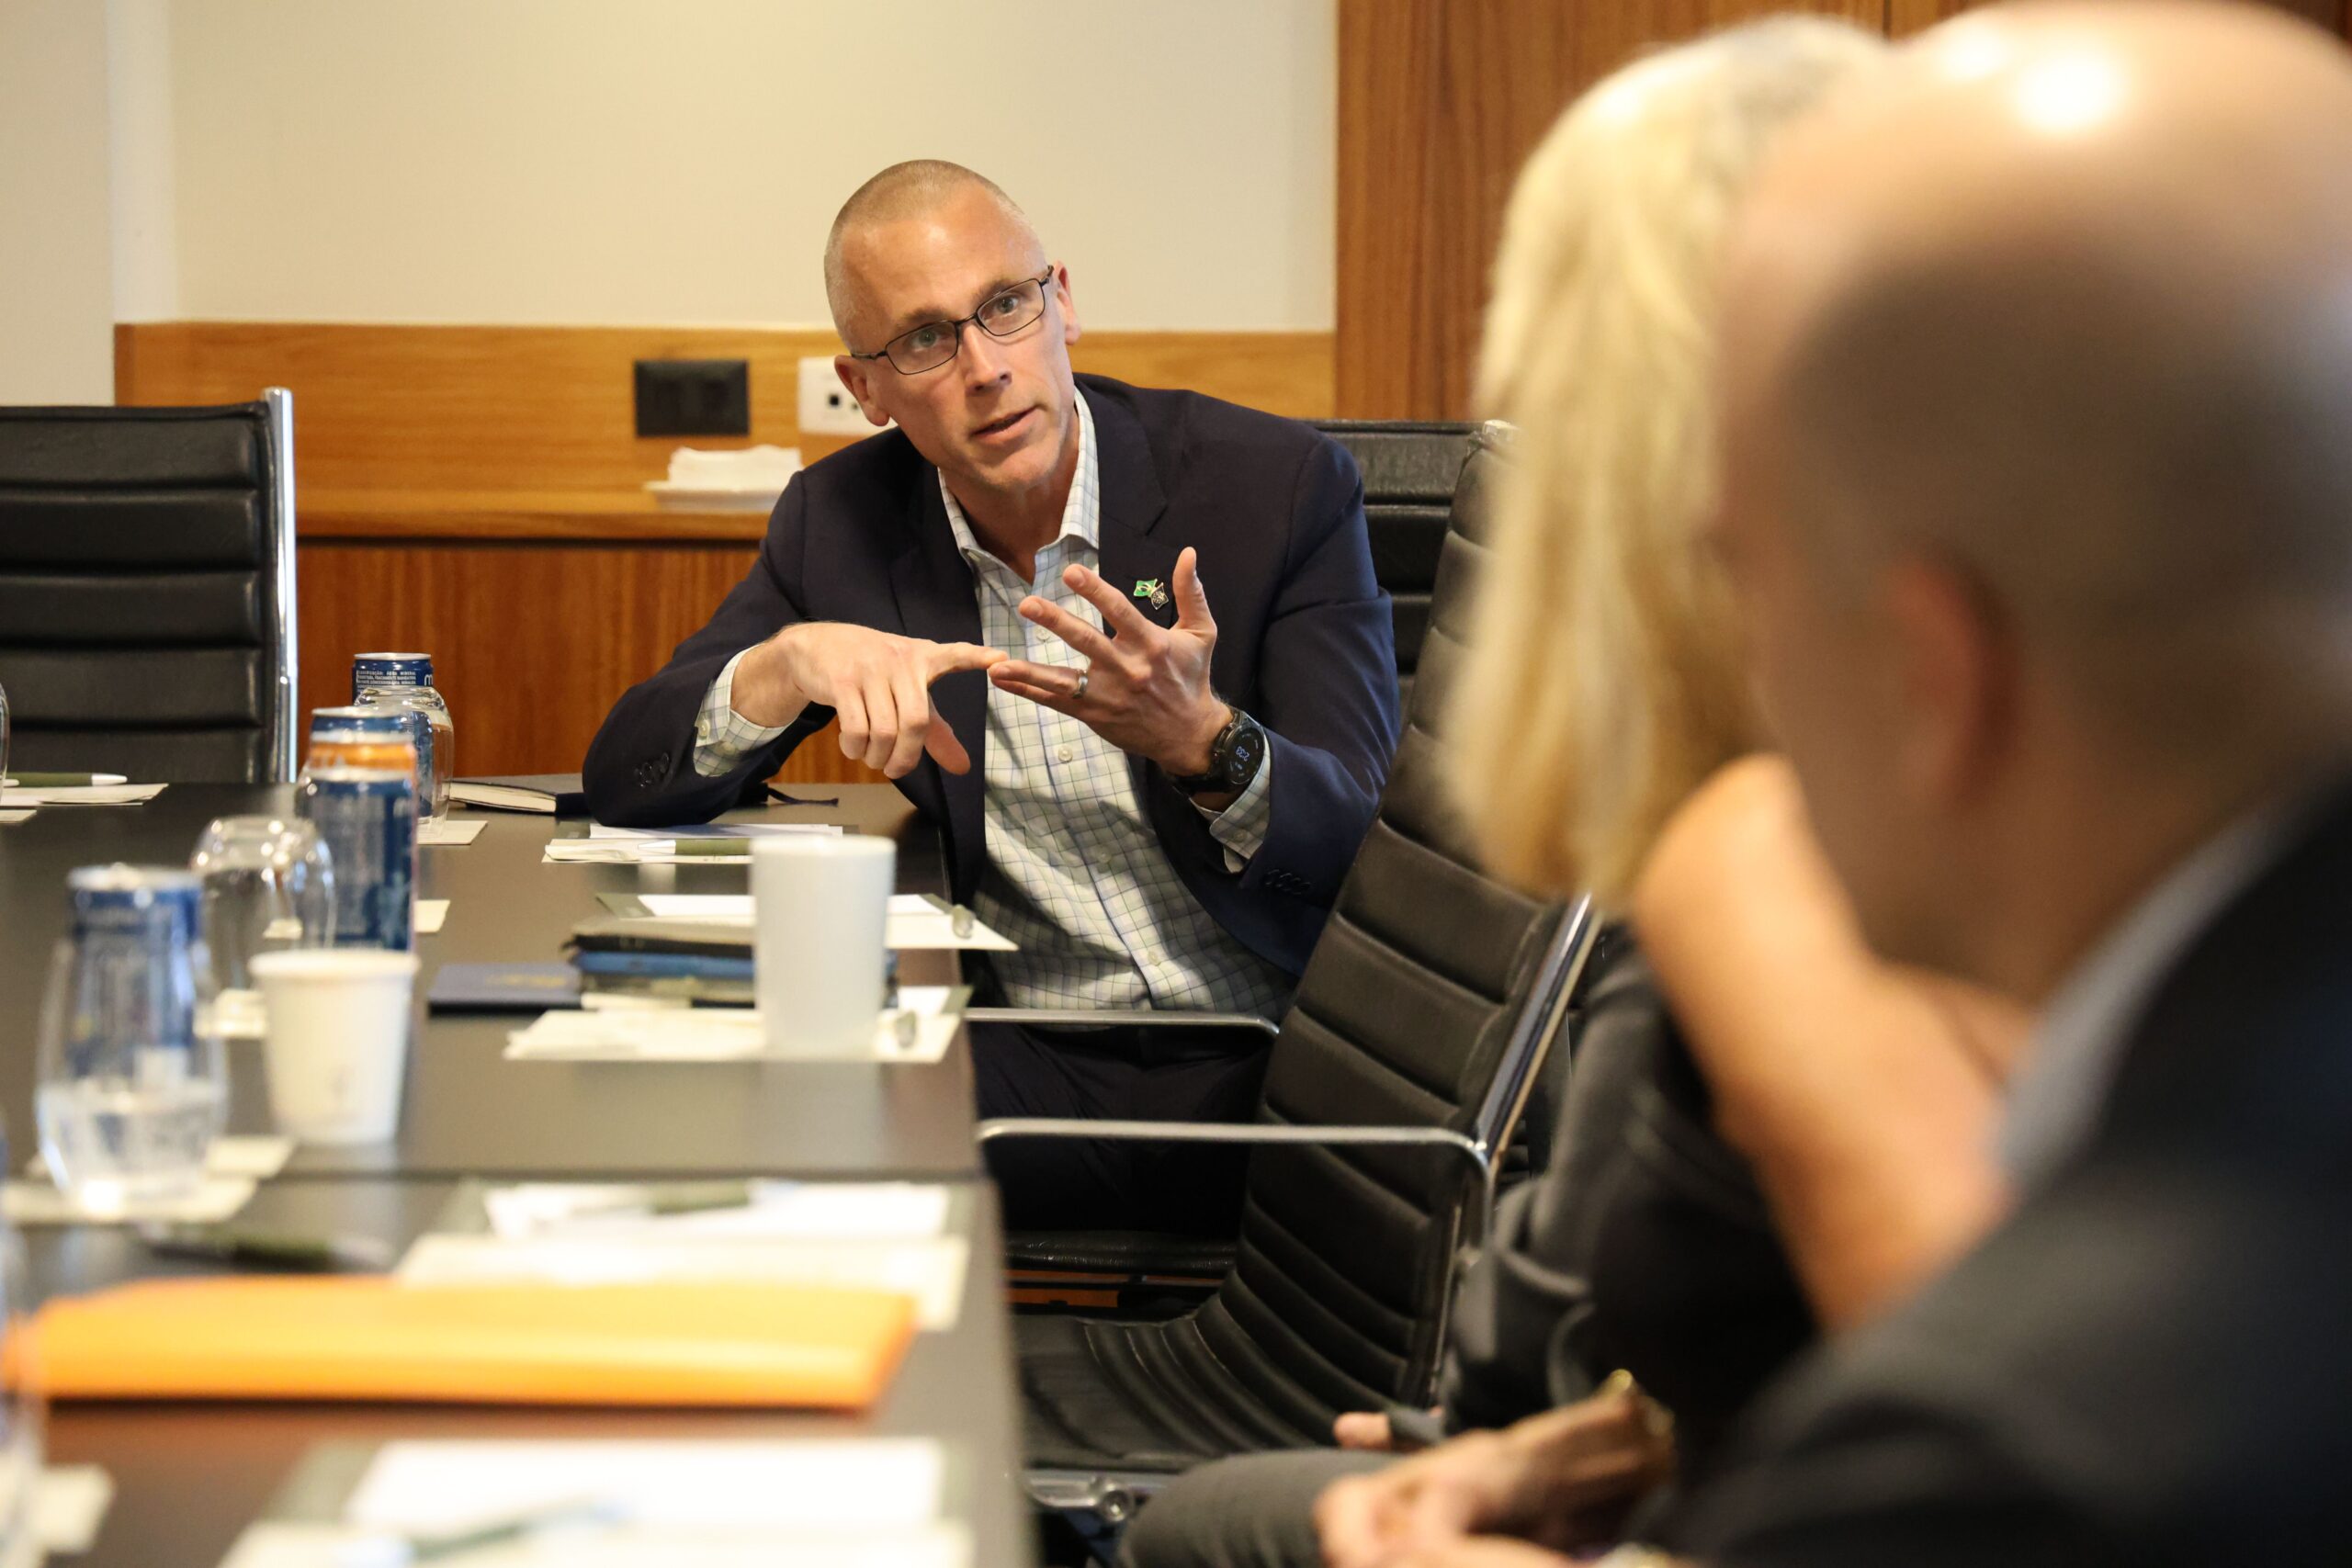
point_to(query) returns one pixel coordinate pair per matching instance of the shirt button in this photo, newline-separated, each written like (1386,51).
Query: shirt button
(1065,754)
(702,730)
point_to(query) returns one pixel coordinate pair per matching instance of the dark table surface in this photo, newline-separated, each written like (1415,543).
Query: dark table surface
(467,1112)
(189,1477)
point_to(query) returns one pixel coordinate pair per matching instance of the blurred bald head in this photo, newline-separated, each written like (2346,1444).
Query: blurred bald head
(2071,302)
(2050,330)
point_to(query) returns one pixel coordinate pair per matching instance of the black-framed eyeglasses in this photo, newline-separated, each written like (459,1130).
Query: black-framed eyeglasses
(933,344)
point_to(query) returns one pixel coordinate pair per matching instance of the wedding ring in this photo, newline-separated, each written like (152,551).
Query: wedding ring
(1081,684)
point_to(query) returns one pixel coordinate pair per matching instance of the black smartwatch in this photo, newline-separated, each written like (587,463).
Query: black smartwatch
(1235,757)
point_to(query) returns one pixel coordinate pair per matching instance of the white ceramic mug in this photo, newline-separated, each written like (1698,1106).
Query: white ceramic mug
(335,1037)
(819,907)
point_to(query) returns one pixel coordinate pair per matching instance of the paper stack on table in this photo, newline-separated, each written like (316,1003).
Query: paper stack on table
(849,1236)
(80,794)
(722,843)
(231,1168)
(919,1030)
(915,920)
(858,1502)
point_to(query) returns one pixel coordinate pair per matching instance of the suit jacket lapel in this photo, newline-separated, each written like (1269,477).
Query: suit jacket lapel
(933,588)
(1130,557)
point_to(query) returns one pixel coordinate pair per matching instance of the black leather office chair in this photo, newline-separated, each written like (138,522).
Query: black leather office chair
(1409,468)
(147,590)
(1393,1086)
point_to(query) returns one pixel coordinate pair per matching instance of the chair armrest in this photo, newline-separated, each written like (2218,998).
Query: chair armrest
(1105,1018)
(1480,1157)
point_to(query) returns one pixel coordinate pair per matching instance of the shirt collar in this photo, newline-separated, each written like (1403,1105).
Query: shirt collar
(2054,1102)
(1081,513)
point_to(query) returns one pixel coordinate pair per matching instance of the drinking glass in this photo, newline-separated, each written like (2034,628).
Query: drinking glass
(132,1085)
(268,884)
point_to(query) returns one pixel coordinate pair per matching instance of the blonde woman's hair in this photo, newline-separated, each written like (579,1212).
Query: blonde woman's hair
(1603,681)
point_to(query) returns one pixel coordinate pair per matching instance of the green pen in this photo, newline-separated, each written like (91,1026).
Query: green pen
(740,847)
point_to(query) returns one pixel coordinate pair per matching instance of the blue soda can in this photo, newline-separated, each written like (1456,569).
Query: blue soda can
(390,669)
(367,819)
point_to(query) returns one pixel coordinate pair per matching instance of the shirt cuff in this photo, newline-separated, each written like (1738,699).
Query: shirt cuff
(1241,826)
(723,738)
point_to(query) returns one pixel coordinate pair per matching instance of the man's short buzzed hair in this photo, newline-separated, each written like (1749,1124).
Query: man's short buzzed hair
(902,190)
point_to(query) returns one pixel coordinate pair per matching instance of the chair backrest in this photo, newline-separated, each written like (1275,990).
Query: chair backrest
(1409,468)
(147,590)
(1428,1002)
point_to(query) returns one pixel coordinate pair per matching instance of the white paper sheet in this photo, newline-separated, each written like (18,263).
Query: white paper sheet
(449,831)
(914,921)
(430,913)
(718,830)
(70,1503)
(9,816)
(258,1156)
(929,1272)
(276,1544)
(778,1211)
(719,1034)
(851,1486)
(212,1199)
(83,794)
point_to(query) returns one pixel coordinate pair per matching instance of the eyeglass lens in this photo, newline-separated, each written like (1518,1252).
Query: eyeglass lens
(935,343)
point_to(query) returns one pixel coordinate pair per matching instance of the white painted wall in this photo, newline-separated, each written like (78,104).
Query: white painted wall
(142,154)
(630,162)
(56,265)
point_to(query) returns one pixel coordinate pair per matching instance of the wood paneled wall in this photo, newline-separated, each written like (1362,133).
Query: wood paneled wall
(426,410)
(477,491)
(1440,102)
(531,643)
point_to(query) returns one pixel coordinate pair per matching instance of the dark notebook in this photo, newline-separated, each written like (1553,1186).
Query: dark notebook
(550,794)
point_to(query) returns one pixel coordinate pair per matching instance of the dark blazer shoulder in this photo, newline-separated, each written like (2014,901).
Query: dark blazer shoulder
(1184,427)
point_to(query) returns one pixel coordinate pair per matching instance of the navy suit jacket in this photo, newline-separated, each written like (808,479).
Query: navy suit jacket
(1306,643)
(2150,1365)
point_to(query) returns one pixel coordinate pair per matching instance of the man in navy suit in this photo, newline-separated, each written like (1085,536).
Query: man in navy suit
(1006,603)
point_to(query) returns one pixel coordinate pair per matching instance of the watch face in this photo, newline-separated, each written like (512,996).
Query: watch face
(1243,754)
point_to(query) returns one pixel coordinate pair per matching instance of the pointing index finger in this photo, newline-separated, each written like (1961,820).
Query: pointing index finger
(946,658)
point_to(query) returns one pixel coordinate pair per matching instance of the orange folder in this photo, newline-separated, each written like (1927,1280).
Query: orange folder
(362,1338)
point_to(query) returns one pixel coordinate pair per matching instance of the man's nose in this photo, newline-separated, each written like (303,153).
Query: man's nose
(982,358)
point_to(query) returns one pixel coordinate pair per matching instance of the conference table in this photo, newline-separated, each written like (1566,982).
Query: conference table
(190,1476)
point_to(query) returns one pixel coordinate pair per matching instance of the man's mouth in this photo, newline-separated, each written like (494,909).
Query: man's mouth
(1004,426)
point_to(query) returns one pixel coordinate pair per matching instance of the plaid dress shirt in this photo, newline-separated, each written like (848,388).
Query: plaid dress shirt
(1075,875)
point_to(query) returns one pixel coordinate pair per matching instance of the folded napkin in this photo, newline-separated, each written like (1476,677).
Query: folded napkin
(362,1337)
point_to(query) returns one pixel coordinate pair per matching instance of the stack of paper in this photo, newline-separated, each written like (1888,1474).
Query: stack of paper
(80,794)
(915,919)
(877,1236)
(719,843)
(231,1168)
(873,1503)
(918,1030)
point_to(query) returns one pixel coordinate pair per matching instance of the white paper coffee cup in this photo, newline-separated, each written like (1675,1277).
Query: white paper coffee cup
(335,1037)
(819,907)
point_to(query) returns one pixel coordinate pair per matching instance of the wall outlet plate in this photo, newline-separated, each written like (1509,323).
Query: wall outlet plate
(694,397)
(826,407)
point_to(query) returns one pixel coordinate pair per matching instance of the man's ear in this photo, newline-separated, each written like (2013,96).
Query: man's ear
(1069,306)
(1956,674)
(857,376)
